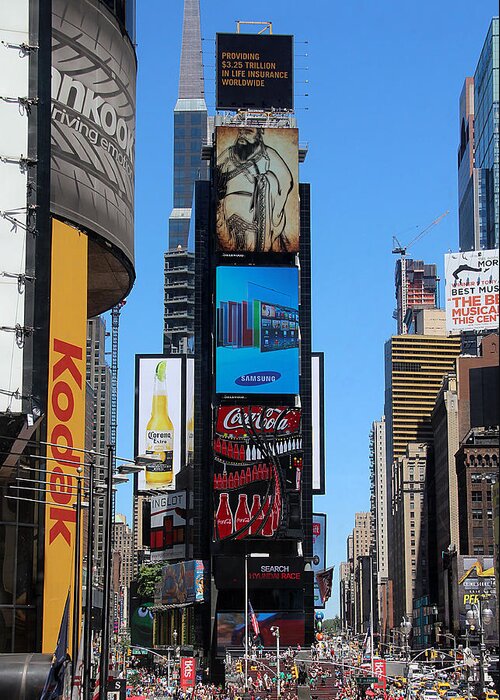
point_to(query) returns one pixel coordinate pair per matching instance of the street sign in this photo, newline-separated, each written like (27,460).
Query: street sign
(365,680)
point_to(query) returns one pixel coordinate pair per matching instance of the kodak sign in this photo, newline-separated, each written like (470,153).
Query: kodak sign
(65,420)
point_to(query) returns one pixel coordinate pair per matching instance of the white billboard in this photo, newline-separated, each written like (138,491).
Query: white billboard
(318,429)
(471,281)
(14,74)
(159,421)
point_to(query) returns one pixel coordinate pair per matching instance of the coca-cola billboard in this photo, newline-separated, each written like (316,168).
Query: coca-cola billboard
(257,465)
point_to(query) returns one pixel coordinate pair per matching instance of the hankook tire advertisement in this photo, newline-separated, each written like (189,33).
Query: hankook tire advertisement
(93,122)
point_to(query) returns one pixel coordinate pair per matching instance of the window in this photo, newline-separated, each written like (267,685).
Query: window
(478,549)
(477,496)
(477,514)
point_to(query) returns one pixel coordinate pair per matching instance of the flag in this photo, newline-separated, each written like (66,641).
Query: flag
(324,579)
(54,684)
(253,620)
(77,691)
(95,694)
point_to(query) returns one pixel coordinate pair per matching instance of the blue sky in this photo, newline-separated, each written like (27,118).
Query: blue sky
(379,112)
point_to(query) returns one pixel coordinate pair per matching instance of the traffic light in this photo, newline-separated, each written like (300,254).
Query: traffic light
(318,625)
(239,667)
(295,672)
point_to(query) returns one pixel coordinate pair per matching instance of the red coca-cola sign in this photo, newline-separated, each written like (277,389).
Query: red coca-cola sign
(188,672)
(238,421)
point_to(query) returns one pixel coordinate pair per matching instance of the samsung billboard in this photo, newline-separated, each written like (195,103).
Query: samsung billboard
(93,140)
(254,71)
(257,330)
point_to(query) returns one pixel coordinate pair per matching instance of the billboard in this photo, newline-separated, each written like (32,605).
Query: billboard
(257,330)
(141,617)
(257,176)
(471,290)
(93,129)
(231,629)
(65,420)
(476,587)
(159,422)
(319,552)
(168,526)
(257,464)
(182,583)
(318,423)
(188,672)
(254,71)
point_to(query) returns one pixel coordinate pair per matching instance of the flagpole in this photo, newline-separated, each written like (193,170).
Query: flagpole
(371,613)
(246,622)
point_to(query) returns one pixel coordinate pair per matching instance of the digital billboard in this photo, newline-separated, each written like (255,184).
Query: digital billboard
(254,71)
(183,582)
(471,291)
(65,420)
(257,463)
(231,629)
(93,138)
(319,552)
(476,586)
(257,176)
(318,423)
(257,330)
(159,423)
(168,526)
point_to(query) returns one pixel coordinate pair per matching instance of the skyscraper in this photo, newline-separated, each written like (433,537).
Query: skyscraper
(478,152)
(416,287)
(191,126)
(99,378)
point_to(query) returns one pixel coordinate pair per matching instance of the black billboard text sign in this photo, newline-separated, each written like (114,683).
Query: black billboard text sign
(254,71)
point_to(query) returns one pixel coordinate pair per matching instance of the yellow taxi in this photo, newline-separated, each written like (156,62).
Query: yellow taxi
(442,687)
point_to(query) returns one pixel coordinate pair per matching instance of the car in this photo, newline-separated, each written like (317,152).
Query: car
(442,687)
(428,694)
(490,695)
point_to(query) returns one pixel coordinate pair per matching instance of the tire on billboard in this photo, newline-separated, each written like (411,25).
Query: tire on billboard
(93,141)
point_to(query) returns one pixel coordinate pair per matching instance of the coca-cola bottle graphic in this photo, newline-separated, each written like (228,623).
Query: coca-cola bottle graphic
(242,516)
(275,517)
(267,530)
(257,513)
(223,518)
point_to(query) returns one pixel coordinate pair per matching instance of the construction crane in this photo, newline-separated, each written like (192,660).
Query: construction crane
(398,249)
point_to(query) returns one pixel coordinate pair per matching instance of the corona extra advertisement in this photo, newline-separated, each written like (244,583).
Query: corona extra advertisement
(257,330)
(257,175)
(65,420)
(159,426)
(257,463)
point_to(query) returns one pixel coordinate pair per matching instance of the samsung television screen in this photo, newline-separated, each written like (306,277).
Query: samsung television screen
(257,330)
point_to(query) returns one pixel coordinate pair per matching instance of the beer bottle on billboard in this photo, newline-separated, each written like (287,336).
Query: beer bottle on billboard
(160,432)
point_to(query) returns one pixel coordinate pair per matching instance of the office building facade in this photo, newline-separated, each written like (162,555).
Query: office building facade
(191,133)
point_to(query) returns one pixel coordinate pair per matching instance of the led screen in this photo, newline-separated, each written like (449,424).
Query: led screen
(257,330)
(257,174)
(231,629)
(254,71)
(257,471)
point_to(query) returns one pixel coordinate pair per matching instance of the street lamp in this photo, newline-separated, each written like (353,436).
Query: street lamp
(247,555)
(405,628)
(480,616)
(275,631)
